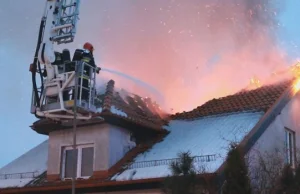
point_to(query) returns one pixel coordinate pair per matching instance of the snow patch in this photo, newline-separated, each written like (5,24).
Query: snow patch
(99,109)
(34,160)
(144,173)
(204,136)
(14,182)
(116,111)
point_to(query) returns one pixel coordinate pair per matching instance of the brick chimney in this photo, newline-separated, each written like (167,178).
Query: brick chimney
(107,102)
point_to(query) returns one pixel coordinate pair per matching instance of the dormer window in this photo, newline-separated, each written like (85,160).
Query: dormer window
(84,161)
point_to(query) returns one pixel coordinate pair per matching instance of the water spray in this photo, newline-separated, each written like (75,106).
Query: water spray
(138,82)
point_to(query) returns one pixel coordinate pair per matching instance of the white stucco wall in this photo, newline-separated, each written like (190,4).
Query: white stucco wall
(109,142)
(119,142)
(274,136)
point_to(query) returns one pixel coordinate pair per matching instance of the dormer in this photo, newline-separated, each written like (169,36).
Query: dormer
(99,147)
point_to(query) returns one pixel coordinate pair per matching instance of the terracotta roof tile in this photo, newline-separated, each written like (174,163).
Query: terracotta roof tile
(260,99)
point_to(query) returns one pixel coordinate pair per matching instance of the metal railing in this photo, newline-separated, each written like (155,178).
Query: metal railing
(89,87)
(23,175)
(151,163)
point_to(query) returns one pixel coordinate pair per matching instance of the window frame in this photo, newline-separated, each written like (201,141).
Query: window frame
(290,147)
(79,160)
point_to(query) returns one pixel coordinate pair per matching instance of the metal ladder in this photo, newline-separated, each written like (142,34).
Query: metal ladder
(65,25)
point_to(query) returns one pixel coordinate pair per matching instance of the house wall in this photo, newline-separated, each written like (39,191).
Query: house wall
(119,144)
(271,147)
(109,142)
(274,136)
(273,139)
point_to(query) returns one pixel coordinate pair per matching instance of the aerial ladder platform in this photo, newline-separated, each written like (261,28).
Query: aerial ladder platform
(57,80)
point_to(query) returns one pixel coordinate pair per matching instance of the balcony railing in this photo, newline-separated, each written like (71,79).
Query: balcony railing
(19,175)
(151,163)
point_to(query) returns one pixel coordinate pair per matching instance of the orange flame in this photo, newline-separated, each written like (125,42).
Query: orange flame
(296,69)
(296,73)
(255,82)
(296,86)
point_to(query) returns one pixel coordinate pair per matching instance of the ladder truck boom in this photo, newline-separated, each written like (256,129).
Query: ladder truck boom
(59,76)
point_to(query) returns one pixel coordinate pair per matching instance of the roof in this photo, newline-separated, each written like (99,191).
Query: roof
(25,168)
(209,135)
(260,99)
(205,131)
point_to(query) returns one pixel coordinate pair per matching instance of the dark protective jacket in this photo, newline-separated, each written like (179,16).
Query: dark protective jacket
(85,56)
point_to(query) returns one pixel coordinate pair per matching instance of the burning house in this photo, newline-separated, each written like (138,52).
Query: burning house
(130,143)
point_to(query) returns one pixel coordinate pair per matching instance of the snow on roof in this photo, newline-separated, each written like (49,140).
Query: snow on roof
(116,111)
(35,160)
(204,136)
(99,109)
(6,183)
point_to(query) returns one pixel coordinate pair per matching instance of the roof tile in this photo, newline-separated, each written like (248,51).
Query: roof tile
(260,99)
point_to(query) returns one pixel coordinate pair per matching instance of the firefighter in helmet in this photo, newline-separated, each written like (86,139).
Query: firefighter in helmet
(86,55)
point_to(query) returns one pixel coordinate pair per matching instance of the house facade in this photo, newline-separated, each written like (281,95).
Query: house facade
(129,144)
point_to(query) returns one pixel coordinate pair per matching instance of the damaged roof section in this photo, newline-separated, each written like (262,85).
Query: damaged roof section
(130,109)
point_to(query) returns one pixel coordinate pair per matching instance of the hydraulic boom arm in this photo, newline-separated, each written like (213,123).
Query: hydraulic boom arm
(58,26)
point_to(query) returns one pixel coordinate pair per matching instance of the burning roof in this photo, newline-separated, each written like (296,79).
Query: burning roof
(260,99)
(130,107)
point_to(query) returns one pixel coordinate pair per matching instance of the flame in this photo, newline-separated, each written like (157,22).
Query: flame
(255,82)
(296,85)
(296,72)
(295,69)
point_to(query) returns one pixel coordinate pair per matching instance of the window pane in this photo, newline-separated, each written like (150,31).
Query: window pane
(290,149)
(69,163)
(286,147)
(87,161)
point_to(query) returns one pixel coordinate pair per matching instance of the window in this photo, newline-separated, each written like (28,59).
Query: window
(290,146)
(84,161)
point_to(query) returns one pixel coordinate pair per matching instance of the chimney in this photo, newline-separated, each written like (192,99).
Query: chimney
(107,102)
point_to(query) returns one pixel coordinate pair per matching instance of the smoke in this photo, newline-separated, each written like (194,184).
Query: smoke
(189,50)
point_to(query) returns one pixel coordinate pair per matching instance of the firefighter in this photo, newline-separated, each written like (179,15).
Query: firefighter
(85,55)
